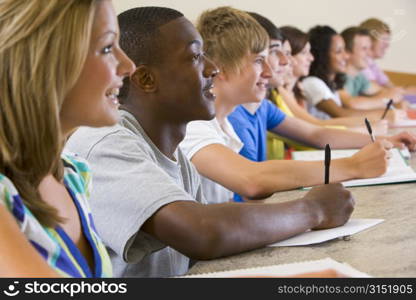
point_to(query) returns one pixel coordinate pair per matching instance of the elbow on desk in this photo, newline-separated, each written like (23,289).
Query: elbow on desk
(253,188)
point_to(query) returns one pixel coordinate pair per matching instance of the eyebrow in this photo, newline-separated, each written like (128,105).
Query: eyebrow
(275,45)
(198,42)
(107,33)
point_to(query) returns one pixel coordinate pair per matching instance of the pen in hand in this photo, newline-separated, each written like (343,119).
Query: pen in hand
(370,131)
(327,162)
(387,108)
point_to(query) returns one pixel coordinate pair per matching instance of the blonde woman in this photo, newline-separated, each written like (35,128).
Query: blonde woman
(61,67)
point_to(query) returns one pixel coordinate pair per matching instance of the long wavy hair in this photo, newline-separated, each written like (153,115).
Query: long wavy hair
(44,45)
(320,38)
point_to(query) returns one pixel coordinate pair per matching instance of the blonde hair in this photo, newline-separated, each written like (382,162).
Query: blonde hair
(44,44)
(229,35)
(375,27)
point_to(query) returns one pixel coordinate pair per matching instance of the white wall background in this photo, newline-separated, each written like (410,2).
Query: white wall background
(399,14)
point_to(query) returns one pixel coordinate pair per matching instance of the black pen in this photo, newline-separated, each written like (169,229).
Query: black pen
(387,108)
(370,131)
(327,162)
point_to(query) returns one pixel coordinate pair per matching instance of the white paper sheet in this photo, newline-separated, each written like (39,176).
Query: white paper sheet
(318,236)
(286,270)
(397,171)
(404,123)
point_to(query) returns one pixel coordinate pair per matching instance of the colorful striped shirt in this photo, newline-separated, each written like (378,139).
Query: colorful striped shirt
(53,244)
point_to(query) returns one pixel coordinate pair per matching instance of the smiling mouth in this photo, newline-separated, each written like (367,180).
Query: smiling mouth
(209,92)
(112,94)
(262,85)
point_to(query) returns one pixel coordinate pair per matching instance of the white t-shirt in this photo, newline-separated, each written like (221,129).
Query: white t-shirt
(200,134)
(315,91)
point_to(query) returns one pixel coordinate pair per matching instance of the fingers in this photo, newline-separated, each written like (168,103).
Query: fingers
(388,155)
(387,145)
(406,139)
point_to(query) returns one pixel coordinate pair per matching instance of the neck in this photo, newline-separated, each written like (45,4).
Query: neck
(222,108)
(332,76)
(352,70)
(166,134)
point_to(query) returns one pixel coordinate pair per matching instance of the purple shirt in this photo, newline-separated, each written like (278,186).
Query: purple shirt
(374,73)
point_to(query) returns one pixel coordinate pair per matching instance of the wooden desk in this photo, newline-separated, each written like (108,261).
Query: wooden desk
(385,250)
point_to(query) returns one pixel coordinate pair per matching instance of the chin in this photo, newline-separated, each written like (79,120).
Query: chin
(109,120)
(207,116)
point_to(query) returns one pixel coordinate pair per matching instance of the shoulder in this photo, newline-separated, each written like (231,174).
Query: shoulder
(84,139)
(312,81)
(89,142)
(196,127)
(7,192)
(77,172)
(10,198)
(197,131)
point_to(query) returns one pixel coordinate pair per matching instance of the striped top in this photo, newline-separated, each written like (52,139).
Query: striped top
(53,244)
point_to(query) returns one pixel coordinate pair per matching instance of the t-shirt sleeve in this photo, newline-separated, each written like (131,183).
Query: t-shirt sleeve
(315,90)
(199,134)
(129,187)
(368,74)
(274,115)
(364,84)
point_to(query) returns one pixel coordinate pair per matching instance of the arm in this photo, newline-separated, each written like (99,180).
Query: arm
(318,136)
(334,110)
(301,113)
(18,257)
(261,179)
(210,231)
(371,101)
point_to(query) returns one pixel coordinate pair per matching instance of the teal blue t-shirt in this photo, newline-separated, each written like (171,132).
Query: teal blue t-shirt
(357,85)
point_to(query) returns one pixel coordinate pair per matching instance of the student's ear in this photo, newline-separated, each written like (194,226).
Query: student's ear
(144,78)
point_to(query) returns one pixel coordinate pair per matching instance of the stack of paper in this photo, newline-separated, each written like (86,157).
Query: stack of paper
(398,170)
(288,270)
(318,236)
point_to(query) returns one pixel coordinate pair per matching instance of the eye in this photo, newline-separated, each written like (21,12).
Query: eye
(108,49)
(259,60)
(197,56)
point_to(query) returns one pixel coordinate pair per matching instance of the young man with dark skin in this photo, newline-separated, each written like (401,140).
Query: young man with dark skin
(146,188)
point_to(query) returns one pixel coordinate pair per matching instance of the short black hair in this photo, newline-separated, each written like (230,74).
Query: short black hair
(271,29)
(139,35)
(350,33)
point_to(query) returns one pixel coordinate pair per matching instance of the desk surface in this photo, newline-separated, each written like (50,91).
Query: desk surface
(385,250)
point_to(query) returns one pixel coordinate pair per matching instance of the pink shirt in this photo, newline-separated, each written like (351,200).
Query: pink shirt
(374,73)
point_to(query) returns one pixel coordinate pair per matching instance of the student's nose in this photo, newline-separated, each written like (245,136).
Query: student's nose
(311,57)
(267,70)
(125,66)
(210,69)
(283,59)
